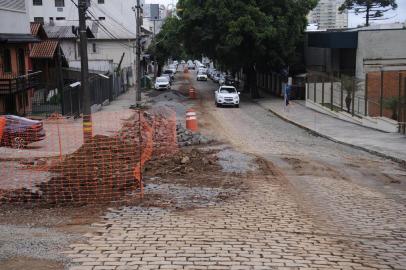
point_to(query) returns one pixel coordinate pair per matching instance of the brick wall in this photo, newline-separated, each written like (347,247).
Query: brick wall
(390,89)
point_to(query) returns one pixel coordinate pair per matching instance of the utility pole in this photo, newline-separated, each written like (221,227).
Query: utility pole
(60,77)
(155,59)
(138,55)
(87,113)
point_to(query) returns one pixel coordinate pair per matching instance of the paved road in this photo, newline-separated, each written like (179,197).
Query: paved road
(320,206)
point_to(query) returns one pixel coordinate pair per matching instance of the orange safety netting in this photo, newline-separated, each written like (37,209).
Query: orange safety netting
(62,169)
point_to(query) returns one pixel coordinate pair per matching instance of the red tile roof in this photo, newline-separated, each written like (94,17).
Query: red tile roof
(44,49)
(35,28)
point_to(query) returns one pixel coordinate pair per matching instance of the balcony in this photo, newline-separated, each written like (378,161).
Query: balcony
(10,84)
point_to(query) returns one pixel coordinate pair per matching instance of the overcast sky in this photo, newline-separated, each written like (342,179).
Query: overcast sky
(398,15)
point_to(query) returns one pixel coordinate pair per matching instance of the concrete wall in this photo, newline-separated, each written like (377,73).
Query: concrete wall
(14,19)
(70,50)
(112,50)
(378,49)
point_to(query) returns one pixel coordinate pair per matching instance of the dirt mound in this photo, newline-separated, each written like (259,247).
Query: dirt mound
(99,171)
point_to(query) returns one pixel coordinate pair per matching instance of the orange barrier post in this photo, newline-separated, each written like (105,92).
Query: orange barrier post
(146,151)
(192,93)
(186,70)
(2,126)
(191,120)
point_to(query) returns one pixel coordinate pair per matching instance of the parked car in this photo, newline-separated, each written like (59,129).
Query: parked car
(202,70)
(201,77)
(191,66)
(183,62)
(230,81)
(170,73)
(222,79)
(174,68)
(167,76)
(18,132)
(216,77)
(162,83)
(227,95)
(211,72)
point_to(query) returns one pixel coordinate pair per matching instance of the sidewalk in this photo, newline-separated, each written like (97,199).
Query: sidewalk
(65,136)
(388,145)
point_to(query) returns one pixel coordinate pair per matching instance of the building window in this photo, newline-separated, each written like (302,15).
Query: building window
(37,2)
(39,20)
(94,47)
(102,18)
(6,60)
(100,1)
(59,3)
(60,18)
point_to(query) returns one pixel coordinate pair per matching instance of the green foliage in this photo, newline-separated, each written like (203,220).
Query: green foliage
(55,99)
(240,33)
(348,83)
(167,43)
(373,9)
(392,103)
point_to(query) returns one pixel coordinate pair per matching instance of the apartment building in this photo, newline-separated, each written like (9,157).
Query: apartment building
(327,16)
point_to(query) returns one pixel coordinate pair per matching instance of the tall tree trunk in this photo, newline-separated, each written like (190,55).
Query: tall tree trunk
(252,81)
(246,79)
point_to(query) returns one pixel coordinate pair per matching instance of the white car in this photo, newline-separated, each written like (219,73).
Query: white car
(227,95)
(201,77)
(162,83)
(173,68)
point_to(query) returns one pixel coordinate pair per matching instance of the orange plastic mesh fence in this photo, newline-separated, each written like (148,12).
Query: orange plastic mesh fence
(61,169)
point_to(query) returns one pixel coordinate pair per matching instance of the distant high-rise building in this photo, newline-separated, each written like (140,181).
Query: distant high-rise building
(327,16)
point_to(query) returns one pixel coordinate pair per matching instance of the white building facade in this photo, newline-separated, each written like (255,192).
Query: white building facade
(327,16)
(14,17)
(112,22)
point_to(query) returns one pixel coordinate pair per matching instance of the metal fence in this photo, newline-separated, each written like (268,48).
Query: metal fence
(380,94)
(103,89)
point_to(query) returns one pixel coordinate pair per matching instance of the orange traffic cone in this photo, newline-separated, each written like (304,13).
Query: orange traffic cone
(191,120)
(192,93)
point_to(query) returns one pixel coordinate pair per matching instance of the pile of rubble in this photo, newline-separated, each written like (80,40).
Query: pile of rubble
(162,124)
(186,137)
(184,162)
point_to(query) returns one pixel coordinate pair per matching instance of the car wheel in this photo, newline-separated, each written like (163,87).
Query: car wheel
(18,143)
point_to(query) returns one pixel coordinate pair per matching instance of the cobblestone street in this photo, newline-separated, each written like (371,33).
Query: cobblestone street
(319,205)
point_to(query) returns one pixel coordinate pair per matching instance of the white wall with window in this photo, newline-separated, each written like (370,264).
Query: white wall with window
(113,11)
(14,18)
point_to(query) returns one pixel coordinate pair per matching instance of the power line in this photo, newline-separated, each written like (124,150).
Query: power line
(112,18)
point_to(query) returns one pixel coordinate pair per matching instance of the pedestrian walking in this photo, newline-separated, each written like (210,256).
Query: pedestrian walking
(287,92)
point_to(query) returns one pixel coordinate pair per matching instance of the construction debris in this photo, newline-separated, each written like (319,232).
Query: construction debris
(186,137)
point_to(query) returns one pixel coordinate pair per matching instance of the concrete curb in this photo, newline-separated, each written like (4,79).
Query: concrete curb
(402,162)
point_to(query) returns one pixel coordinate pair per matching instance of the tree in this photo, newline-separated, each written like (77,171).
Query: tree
(167,43)
(373,9)
(251,35)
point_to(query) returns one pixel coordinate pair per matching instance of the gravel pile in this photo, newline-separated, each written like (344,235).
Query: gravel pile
(40,243)
(172,100)
(187,137)
(235,162)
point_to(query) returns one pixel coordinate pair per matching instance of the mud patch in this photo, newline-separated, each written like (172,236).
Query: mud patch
(312,168)
(25,263)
